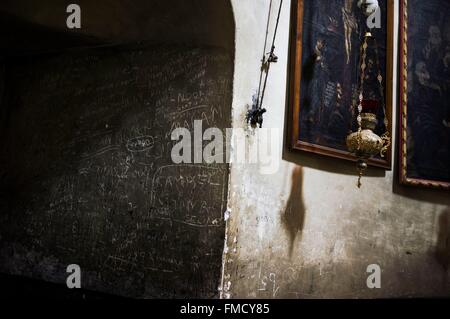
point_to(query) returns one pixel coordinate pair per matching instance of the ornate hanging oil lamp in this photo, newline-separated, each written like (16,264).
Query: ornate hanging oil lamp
(364,143)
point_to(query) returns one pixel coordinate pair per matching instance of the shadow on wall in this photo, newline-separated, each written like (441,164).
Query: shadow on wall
(327,163)
(294,214)
(442,252)
(435,196)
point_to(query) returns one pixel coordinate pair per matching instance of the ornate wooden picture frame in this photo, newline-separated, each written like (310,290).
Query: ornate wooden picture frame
(424,149)
(323,70)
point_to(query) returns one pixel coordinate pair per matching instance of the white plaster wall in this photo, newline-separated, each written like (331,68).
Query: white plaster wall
(344,228)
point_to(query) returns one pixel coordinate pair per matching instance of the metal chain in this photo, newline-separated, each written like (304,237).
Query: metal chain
(386,136)
(381,87)
(361,88)
(361,97)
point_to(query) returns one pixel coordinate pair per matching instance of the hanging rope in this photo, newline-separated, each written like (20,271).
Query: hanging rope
(264,52)
(255,115)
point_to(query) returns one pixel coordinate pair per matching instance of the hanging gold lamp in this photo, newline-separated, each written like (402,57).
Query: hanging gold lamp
(364,143)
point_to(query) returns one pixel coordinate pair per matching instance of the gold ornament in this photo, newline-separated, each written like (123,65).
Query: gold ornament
(364,143)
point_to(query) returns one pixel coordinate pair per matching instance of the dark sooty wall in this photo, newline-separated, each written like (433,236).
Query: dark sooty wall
(86,175)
